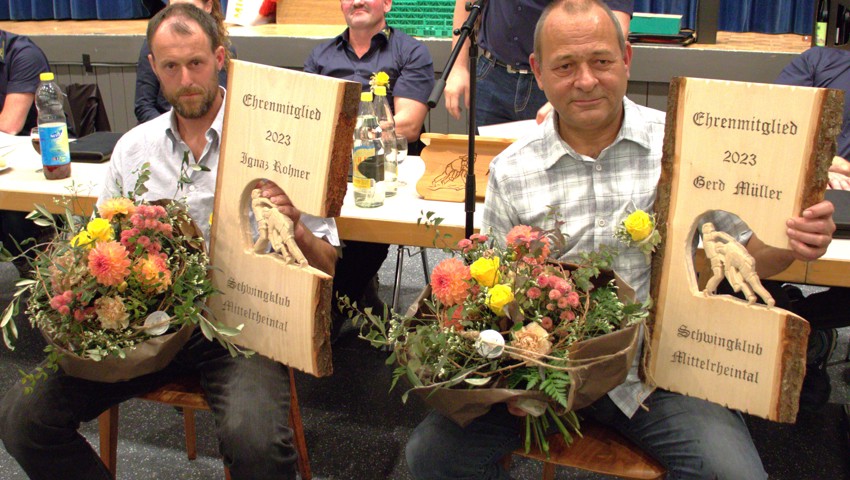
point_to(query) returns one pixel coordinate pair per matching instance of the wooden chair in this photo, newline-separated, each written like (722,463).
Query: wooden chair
(187,394)
(600,450)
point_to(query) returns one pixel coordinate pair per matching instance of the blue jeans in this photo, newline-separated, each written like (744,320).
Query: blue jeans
(505,97)
(249,399)
(692,438)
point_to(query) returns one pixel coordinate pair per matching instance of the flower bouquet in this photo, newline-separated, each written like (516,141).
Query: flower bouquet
(505,324)
(118,295)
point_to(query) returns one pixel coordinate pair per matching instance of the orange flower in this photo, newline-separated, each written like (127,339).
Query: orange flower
(108,263)
(116,206)
(530,239)
(449,281)
(152,273)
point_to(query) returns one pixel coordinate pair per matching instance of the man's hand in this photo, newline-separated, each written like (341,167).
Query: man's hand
(457,90)
(838,181)
(811,233)
(277,196)
(544,110)
(839,174)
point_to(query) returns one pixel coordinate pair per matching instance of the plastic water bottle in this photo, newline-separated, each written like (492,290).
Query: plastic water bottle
(367,157)
(52,129)
(385,120)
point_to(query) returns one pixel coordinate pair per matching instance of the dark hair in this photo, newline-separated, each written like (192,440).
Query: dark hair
(578,6)
(186,11)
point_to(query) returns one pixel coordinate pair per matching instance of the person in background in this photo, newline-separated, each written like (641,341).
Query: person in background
(505,89)
(150,103)
(21,63)
(248,396)
(825,68)
(366,47)
(575,162)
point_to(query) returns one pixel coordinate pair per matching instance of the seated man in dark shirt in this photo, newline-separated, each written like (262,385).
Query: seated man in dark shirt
(825,68)
(368,46)
(21,63)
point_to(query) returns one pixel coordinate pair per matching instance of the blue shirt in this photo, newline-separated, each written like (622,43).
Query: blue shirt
(507,27)
(403,58)
(826,68)
(149,102)
(21,63)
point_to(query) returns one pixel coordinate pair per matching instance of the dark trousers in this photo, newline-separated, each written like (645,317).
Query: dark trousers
(360,262)
(15,228)
(249,398)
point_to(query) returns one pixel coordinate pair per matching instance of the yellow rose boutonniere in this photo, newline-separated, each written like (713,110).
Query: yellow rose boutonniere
(379,79)
(638,230)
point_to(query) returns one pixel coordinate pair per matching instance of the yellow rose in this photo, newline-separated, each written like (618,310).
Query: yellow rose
(498,297)
(485,271)
(639,225)
(82,239)
(100,230)
(382,79)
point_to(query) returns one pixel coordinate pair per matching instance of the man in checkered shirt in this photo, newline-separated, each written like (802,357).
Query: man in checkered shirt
(595,158)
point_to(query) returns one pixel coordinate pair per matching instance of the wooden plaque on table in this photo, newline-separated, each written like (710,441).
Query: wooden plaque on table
(445,165)
(296,130)
(760,152)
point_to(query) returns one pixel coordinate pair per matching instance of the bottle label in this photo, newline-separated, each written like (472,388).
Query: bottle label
(53,138)
(820,34)
(363,156)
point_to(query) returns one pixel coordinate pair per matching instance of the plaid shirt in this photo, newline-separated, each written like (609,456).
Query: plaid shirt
(592,196)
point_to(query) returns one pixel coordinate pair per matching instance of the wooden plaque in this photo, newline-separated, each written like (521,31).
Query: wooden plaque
(761,152)
(445,165)
(296,130)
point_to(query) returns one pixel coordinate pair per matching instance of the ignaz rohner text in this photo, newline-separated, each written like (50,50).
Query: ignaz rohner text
(297,111)
(765,127)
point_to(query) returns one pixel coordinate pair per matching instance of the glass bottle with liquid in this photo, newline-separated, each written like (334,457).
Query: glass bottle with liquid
(822,14)
(387,123)
(368,161)
(52,129)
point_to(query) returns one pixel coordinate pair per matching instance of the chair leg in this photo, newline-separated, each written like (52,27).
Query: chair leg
(191,436)
(399,266)
(548,471)
(298,429)
(424,254)
(108,426)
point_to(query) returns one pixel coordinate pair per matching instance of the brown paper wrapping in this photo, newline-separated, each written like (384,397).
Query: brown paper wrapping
(147,357)
(596,366)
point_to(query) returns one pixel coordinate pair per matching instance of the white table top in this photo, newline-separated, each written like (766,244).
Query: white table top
(395,221)
(22,184)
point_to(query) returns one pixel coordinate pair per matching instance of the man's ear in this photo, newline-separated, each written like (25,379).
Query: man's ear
(219,57)
(153,64)
(388,5)
(535,67)
(627,59)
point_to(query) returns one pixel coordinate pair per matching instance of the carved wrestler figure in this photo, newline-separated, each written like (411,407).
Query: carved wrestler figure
(276,229)
(730,259)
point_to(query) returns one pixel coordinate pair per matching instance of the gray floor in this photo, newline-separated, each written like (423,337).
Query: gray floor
(356,428)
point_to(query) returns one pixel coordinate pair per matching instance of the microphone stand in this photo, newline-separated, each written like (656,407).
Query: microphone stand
(465,31)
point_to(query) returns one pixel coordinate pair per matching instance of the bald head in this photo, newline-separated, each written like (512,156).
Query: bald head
(183,15)
(576,7)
